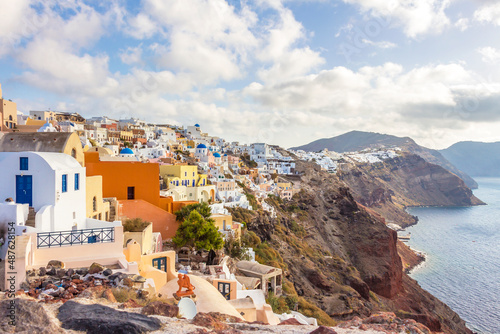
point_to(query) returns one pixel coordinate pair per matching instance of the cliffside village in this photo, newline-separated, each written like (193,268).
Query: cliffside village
(68,184)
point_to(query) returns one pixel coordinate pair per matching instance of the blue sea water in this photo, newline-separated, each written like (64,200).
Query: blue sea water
(462,246)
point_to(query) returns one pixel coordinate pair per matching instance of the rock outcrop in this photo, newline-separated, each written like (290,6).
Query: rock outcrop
(407,180)
(29,317)
(97,318)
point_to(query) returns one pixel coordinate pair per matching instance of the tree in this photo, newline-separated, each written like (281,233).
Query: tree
(202,208)
(199,233)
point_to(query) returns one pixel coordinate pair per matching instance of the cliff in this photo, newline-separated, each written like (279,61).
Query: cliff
(337,256)
(407,180)
(359,140)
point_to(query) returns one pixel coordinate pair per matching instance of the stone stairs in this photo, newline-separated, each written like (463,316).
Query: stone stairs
(112,213)
(31,217)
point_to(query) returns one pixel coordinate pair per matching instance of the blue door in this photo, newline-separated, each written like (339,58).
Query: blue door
(24,189)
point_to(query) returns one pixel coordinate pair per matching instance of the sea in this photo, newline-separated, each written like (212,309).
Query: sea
(462,248)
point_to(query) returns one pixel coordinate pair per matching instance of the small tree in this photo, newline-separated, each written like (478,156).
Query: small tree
(199,233)
(202,208)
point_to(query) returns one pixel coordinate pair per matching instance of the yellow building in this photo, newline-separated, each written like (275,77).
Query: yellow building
(45,116)
(158,266)
(8,113)
(225,223)
(182,175)
(126,135)
(284,185)
(96,207)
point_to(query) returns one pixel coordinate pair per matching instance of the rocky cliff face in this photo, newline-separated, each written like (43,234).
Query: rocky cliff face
(406,180)
(339,257)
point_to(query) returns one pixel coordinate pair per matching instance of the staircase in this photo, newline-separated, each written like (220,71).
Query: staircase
(112,213)
(112,207)
(31,218)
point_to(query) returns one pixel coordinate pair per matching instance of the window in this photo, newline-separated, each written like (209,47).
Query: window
(65,183)
(73,153)
(23,163)
(94,204)
(185,173)
(77,181)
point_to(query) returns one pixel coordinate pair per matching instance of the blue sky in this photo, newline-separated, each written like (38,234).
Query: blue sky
(284,72)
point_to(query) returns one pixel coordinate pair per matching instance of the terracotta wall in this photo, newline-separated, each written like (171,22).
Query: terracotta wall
(163,221)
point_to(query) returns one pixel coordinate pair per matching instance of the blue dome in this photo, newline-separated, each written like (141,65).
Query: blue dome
(201,146)
(197,125)
(126,150)
(217,155)
(225,154)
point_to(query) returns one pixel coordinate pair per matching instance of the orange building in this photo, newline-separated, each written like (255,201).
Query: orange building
(136,186)
(126,180)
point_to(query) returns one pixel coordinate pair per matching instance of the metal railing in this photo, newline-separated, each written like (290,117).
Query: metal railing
(75,237)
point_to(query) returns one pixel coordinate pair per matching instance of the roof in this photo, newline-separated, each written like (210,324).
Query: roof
(249,282)
(217,155)
(126,150)
(197,125)
(257,268)
(201,146)
(34,141)
(57,161)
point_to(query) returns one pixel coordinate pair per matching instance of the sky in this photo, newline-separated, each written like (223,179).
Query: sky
(284,72)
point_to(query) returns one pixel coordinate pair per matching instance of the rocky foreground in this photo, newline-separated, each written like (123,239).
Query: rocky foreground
(97,315)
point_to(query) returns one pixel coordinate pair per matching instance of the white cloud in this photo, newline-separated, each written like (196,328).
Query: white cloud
(489,13)
(281,49)
(462,24)
(141,26)
(132,55)
(381,44)
(18,21)
(490,54)
(416,17)
(210,40)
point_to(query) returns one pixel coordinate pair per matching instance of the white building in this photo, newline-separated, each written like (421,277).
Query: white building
(52,183)
(98,134)
(193,132)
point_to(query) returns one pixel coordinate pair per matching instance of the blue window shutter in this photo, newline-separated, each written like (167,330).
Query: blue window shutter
(64,183)
(77,181)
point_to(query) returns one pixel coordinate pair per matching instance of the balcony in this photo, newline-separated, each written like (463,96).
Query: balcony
(76,237)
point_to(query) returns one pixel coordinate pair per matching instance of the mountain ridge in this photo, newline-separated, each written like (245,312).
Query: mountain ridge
(475,158)
(359,140)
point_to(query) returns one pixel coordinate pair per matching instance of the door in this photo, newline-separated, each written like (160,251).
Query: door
(131,193)
(24,189)
(160,263)
(225,290)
